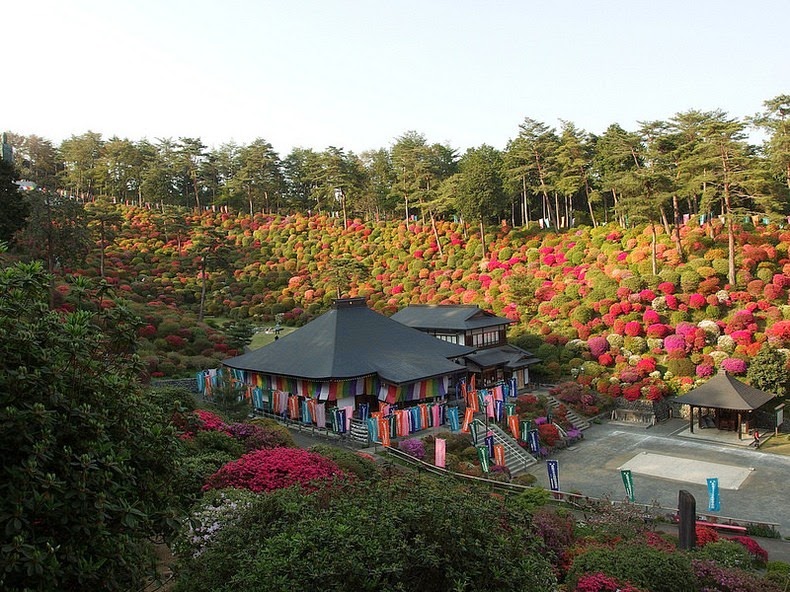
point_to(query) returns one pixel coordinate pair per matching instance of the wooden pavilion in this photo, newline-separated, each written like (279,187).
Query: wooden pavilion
(724,403)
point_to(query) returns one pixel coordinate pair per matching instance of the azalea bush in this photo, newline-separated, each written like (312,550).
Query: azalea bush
(267,470)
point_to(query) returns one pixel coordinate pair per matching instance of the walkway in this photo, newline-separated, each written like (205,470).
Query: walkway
(593,468)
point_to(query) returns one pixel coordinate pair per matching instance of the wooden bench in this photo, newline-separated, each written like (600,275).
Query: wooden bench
(718,526)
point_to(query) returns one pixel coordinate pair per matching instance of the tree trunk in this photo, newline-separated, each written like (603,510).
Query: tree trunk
(653,248)
(436,234)
(483,236)
(202,288)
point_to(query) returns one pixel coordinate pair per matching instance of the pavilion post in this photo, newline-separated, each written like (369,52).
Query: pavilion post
(691,419)
(738,427)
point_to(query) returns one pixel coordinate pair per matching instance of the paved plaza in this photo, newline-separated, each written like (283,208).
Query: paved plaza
(667,458)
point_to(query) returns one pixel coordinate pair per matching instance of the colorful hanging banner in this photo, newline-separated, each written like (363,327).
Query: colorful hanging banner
(499,409)
(714,502)
(553,468)
(534,441)
(628,482)
(364,411)
(474,429)
(526,426)
(469,415)
(482,455)
(452,419)
(510,409)
(373,429)
(513,390)
(384,431)
(440,450)
(489,442)
(499,455)
(512,422)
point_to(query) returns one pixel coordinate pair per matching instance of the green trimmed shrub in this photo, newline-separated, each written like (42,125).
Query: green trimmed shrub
(644,566)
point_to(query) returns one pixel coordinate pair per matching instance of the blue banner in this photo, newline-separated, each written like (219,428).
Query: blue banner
(714,502)
(513,390)
(489,442)
(534,441)
(553,467)
(452,419)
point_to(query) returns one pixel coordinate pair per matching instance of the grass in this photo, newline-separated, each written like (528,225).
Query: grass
(262,338)
(777,445)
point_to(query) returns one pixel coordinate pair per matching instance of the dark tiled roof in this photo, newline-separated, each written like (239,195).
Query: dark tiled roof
(726,392)
(349,341)
(448,316)
(508,356)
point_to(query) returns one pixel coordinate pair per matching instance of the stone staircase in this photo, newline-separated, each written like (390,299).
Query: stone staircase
(517,459)
(574,418)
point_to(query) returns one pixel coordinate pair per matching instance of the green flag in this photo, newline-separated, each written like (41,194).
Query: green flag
(628,481)
(482,455)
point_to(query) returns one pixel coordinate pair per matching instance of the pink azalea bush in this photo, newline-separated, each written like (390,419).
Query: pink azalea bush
(734,365)
(277,468)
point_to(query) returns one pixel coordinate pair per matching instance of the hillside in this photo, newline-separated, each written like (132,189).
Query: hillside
(585,300)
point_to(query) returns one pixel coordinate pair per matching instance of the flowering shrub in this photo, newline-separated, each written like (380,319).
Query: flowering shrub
(210,421)
(711,576)
(599,345)
(549,434)
(760,555)
(734,365)
(598,582)
(705,535)
(256,437)
(213,513)
(413,447)
(266,470)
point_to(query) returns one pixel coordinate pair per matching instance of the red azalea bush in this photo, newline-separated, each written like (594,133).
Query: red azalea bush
(267,470)
(755,550)
(598,582)
(549,435)
(705,535)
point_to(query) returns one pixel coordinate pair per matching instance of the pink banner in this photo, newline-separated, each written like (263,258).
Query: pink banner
(469,415)
(440,451)
(490,406)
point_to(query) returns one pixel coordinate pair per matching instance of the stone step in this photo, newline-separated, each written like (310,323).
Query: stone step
(576,420)
(517,459)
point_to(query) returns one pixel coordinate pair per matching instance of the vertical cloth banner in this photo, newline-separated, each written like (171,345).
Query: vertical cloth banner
(452,418)
(440,451)
(510,409)
(513,384)
(482,455)
(534,441)
(499,454)
(553,468)
(384,431)
(628,483)
(474,429)
(526,426)
(714,502)
(373,429)
(489,442)
(512,423)
(469,415)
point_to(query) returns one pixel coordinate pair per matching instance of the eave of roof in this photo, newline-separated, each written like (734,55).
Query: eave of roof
(351,341)
(726,392)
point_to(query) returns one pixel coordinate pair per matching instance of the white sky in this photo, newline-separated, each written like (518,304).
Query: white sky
(359,73)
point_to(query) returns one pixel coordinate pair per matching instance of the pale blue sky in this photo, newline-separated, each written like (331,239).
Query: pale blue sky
(357,74)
